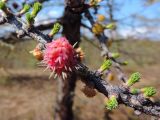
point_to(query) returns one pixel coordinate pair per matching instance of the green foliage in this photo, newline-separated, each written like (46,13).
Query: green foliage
(134,91)
(112,103)
(106,65)
(36,8)
(111,26)
(29,18)
(2,5)
(115,55)
(125,63)
(55,29)
(26,8)
(135,77)
(149,91)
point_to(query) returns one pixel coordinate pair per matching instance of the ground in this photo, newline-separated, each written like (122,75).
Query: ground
(26,93)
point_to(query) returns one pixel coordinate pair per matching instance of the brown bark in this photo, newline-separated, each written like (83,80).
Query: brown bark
(65,94)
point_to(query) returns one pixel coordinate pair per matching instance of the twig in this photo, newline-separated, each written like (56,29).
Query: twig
(105,52)
(137,102)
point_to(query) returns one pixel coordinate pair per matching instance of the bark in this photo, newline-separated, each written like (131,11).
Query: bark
(65,94)
(71,26)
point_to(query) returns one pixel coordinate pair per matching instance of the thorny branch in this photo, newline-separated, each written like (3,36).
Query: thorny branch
(122,93)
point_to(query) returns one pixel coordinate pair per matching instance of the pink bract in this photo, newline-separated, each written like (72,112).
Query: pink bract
(60,57)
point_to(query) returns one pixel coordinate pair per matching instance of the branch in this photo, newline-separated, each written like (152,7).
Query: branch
(24,30)
(105,52)
(42,25)
(137,102)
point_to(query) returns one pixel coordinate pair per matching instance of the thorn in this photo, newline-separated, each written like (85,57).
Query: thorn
(75,44)
(52,73)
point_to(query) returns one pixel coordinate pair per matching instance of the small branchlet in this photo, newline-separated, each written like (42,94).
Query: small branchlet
(55,29)
(25,9)
(106,65)
(135,77)
(36,8)
(112,103)
(29,18)
(148,91)
(134,91)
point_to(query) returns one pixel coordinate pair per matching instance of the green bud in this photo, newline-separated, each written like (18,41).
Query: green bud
(111,26)
(112,103)
(135,77)
(134,91)
(149,91)
(26,8)
(125,63)
(29,18)
(36,8)
(115,55)
(55,29)
(106,65)
(2,5)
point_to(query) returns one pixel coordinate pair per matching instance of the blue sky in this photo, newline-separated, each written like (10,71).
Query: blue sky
(124,12)
(127,8)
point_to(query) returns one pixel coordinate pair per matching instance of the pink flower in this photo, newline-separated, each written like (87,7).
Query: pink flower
(60,57)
